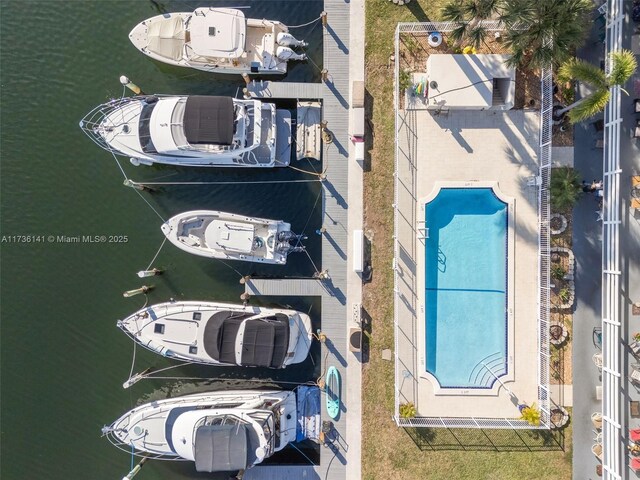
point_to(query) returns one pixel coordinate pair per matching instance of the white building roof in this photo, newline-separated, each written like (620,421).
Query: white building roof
(467,81)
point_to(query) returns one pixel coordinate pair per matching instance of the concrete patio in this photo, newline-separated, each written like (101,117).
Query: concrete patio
(468,146)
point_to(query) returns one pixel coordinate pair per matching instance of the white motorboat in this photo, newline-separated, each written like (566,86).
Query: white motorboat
(217,40)
(219,431)
(191,130)
(222,334)
(228,236)
(204,131)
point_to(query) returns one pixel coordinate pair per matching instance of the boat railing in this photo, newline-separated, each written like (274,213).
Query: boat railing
(93,122)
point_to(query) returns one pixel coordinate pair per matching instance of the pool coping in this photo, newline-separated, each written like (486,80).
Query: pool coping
(509,376)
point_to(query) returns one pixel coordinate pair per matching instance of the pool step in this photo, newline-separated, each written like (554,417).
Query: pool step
(481,375)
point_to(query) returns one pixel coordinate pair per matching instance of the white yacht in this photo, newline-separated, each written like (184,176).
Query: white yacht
(222,334)
(228,236)
(219,431)
(192,131)
(218,40)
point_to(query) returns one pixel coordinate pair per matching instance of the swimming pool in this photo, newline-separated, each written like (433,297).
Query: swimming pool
(466,300)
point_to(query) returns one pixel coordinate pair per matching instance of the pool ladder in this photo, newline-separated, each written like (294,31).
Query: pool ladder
(423,231)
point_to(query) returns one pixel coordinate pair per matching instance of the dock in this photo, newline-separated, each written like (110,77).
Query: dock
(269,89)
(297,287)
(341,292)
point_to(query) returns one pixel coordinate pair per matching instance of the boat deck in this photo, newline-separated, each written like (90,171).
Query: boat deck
(341,293)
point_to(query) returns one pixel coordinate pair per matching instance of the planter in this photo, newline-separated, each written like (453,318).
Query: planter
(570,285)
(559,417)
(558,334)
(435,39)
(557,223)
(557,119)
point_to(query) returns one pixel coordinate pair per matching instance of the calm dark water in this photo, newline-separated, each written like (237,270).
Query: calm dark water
(63,360)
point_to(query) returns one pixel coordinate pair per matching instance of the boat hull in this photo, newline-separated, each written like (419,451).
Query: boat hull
(147,428)
(179,331)
(261,59)
(198,232)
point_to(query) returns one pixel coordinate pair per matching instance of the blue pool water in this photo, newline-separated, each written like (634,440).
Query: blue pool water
(466,287)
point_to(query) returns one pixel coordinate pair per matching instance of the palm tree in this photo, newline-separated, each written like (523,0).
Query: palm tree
(543,32)
(565,188)
(539,33)
(623,66)
(470,14)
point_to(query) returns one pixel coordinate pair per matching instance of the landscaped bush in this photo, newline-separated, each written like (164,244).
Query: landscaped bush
(557,271)
(565,188)
(408,410)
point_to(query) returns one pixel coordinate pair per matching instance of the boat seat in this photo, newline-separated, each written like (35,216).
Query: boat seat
(191,240)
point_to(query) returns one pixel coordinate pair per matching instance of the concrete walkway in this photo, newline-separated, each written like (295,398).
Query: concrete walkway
(587,248)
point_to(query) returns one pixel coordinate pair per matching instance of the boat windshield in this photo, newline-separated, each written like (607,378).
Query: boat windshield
(144,129)
(266,421)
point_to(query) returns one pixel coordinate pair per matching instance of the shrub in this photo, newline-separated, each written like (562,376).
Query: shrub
(407,410)
(531,414)
(565,295)
(565,188)
(404,79)
(557,271)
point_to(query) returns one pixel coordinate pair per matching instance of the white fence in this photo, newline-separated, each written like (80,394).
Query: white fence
(614,448)
(543,242)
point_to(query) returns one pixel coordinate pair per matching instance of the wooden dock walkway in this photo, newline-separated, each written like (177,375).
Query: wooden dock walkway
(333,291)
(269,89)
(290,287)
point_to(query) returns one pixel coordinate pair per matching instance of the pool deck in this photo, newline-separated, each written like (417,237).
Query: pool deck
(341,294)
(474,147)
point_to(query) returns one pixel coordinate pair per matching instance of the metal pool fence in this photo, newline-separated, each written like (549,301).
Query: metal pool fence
(543,246)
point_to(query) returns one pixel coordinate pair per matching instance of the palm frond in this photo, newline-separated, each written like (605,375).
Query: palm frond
(563,23)
(458,33)
(515,60)
(624,65)
(590,106)
(584,72)
(487,9)
(565,188)
(542,57)
(452,12)
(476,36)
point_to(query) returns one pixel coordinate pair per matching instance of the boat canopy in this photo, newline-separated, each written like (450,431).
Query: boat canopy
(218,32)
(266,341)
(209,120)
(221,448)
(220,335)
(166,36)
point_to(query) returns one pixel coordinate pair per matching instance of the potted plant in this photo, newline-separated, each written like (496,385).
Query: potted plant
(565,295)
(408,410)
(636,336)
(530,414)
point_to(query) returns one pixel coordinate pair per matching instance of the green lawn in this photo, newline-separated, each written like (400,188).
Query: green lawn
(388,451)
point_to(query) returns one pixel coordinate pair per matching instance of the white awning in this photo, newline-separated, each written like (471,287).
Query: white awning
(217,32)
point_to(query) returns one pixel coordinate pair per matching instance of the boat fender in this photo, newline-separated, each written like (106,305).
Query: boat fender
(287,40)
(139,161)
(285,53)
